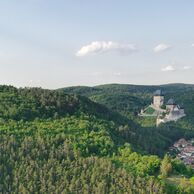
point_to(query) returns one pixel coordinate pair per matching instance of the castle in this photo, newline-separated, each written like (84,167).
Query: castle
(158,99)
(164,113)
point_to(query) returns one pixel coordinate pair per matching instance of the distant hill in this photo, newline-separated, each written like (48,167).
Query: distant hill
(129,88)
(129,99)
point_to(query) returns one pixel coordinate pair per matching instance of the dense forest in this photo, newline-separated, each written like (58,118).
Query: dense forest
(128,100)
(90,140)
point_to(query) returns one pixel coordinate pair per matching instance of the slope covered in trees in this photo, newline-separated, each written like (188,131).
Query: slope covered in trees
(53,142)
(31,103)
(128,100)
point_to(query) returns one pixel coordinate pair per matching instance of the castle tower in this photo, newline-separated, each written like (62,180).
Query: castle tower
(158,99)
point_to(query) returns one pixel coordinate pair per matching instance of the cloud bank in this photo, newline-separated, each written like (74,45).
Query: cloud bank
(106,46)
(168,68)
(162,47)
(187,68)
(172,68)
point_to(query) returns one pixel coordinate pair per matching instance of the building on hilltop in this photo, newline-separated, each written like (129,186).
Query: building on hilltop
(158,99)
(171,112)
(171,105)
(182,110)
(174,111)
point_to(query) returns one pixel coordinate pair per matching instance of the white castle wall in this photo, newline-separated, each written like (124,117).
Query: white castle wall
(158,101)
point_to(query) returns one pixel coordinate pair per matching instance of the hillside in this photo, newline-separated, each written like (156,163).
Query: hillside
(54,142)
(132,97)
(128,100)
(128,88)
(35,103)
(31,104)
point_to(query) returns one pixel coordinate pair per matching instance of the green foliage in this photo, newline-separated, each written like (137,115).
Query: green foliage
(52,142)
(47,165)
(166,166)
(128,100)
(180,168)
(69,155)
(30,104)
(136,163)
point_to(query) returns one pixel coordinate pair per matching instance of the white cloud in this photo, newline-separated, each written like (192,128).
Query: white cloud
(168,68)
(162,47)
(103,46)
(192,45)
(186,67)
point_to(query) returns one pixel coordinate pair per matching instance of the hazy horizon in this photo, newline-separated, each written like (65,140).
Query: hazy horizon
(162,84)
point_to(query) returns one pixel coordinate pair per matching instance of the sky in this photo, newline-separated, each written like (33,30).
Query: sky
(54,44)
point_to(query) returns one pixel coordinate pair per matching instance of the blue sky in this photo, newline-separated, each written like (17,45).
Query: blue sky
(61,43)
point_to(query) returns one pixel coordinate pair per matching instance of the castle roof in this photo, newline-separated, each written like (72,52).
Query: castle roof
(171,102)
(158,93)
(181,106)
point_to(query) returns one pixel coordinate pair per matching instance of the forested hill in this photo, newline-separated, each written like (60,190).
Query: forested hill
(128,88)
(29,104)
(32,103)
(130,99)
(55,142)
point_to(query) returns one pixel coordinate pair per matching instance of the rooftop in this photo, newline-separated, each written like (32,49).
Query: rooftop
(158,93)
(171,102)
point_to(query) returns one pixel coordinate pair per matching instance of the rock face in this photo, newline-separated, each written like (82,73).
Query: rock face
(172,112)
